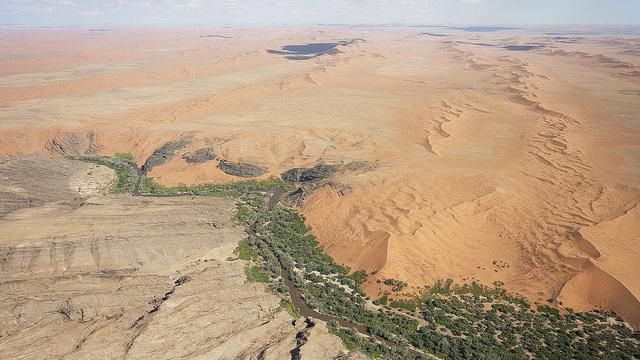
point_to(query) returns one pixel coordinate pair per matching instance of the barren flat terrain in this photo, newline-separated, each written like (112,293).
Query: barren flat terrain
(508,155)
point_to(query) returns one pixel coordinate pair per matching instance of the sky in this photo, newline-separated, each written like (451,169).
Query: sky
(284,12)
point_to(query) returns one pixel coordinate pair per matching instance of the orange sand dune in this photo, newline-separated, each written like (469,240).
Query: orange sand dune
(497,165)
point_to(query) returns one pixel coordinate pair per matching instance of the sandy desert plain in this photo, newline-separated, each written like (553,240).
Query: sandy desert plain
(473,154)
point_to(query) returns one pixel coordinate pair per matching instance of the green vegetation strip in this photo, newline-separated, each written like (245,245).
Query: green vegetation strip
(126,157)
(255,275)
(452,321)
(288,307)
(235,190)
(245,251)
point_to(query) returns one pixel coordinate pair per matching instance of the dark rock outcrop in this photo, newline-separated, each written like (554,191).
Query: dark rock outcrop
(241,169)
(302,337)
(73,143)
(318,172)
(296,198)
(361,165)
(200,156)
(164,153)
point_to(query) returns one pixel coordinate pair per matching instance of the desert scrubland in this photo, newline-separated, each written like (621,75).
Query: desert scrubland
(489,154)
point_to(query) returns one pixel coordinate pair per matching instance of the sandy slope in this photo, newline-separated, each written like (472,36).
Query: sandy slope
(516,166)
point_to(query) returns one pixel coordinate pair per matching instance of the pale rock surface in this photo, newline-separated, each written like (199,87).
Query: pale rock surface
(123,277)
